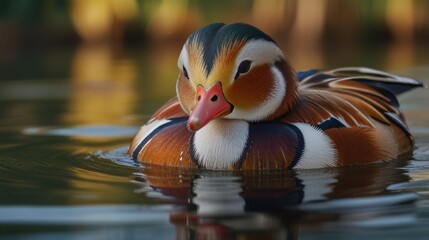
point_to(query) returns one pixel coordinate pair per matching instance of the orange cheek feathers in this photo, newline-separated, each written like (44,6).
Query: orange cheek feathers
(251,89)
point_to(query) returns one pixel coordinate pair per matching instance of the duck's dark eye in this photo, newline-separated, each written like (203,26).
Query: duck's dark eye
(244,67)
(185,72)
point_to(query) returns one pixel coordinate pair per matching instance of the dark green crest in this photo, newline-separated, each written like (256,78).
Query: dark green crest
(215,36)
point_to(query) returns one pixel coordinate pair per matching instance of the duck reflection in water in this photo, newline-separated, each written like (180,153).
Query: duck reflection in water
(263,204)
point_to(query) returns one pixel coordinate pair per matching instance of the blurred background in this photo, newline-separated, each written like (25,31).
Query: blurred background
(109,59)
(78,77)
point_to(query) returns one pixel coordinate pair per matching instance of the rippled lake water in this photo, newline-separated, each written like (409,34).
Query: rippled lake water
(64,174)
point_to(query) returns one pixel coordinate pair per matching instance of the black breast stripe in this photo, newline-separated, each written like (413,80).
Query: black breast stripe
(299,147)
(173,121)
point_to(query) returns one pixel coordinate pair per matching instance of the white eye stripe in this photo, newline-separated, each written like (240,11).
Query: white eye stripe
(259,52)
(183,61)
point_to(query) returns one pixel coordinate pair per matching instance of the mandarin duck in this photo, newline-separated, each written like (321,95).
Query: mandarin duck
(241,105)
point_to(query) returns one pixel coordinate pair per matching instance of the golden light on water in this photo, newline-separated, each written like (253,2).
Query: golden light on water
(103,86)
(400,18)
(172,19)
(96,20)
(277,15)
(91,19)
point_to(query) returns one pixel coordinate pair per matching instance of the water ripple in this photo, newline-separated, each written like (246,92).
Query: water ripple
(83,215)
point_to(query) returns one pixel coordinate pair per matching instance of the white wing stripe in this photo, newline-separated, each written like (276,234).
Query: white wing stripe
(319,151)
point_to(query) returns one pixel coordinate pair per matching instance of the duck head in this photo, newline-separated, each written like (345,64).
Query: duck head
(233,71)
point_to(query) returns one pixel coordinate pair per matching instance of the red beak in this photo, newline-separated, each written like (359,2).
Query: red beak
(210,104)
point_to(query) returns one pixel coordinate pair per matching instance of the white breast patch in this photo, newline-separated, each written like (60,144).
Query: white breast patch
(220,143)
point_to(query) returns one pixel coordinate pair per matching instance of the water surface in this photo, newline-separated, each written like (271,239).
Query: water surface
(64,172)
